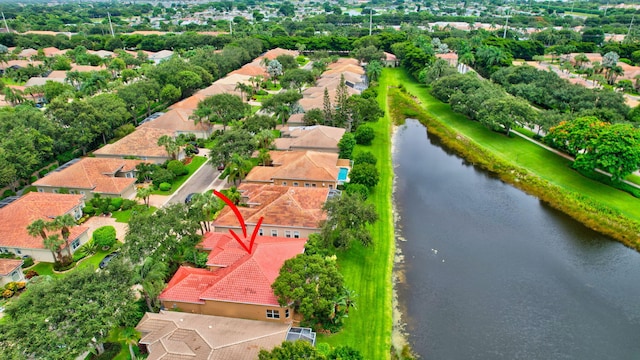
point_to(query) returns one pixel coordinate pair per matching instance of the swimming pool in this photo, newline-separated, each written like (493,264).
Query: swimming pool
(342,174)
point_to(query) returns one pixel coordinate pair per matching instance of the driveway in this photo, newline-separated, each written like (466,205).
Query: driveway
(95,222)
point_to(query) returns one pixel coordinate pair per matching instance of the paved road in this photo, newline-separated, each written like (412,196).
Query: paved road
(197,183)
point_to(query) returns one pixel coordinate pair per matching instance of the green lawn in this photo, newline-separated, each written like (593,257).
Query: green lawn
(545,164)
(123,216)
(44,268)
(192,167)
(368,271)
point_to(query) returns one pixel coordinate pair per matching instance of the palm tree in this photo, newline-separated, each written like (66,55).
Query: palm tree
(264,157)
(151,275)
(234,195)
(13,96)
(245,90)
(130,336)
(53,243)
(264,139)
(614,72)
(209,204)
(74,78)
(170,145)
(144,193)
(580,59)
(374,69)
(467,59)
(63,223)
(202,114)
(37,228)
(238,168)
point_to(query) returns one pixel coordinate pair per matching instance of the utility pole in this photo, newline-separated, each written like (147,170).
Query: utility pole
(230,29)
(370,20)
(111,25)
(631,23)
(6,26)
(506,25)
(605,8)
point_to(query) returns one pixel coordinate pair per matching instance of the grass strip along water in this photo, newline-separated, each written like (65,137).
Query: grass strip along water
(527,166)
(368,270)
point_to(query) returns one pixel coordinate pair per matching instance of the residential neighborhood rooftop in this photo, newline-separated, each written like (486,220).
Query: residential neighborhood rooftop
(318,137)
(94,174)
(184,336)
(241,277)
(15,217)
(308,165)
(142,142)
(7,266)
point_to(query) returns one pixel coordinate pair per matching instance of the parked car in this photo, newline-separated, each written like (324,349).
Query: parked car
(189,198)
(107,259)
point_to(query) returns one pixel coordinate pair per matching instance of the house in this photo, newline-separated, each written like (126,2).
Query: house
(301,168)
(10,271)
(16,216)
(142,144)
(451,58)
(178,120)
(296,120)
(40,81)
(313,98)
(274,53)
(292,212)
(178,335)
(390,60)
(160,56)
(237,282)
(103,54)
(90,176)
(317,137)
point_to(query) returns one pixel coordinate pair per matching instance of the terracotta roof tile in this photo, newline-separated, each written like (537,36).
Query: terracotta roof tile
(177,335)
(176,120)
(8,265)
(251,70)
(142,142)
(274,53)
(301,165)
(93,174)
(244,279)
(279,206)
(311,137)
(15,217)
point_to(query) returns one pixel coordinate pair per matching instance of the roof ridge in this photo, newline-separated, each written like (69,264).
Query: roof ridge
(252,339)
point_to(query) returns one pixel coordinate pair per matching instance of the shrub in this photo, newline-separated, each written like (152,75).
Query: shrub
(105,236)
(128,204)
(30,274)
(33,179)
(160,176)
(359,189)
(201,142)
(7,294)
(89,210)
(11,286)
(28,261)
(7,193)
(365,157)
(65,264)
(365,174)
(177,167)
(190,150)
(346,145)
(364,135)
(165,186)
(20,285)
(117,203)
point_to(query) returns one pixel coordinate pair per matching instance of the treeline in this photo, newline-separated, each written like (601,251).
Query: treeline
(547,90)
(595,143)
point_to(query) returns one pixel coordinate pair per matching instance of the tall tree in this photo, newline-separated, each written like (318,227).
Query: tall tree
(348,217)
(64,223)
(225,108)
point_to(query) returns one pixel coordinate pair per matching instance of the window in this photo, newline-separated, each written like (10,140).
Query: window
(286,313)
(261,232)
(313,185)
(273,314)
(330,186)
(73,192)
(295,183)
(307,185)
(81,192)
(274,232)
(55,191)
(284,183)
(3,250)
(296,234)
(18,252)
(287,233)
(75,244)
(40,190)
(15,276)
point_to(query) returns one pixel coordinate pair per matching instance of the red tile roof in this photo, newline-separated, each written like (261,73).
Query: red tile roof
(15,217)
(94,174)
(279,206)
(8,265)
(311,137)
(142,142)
(300,165)
(243,278)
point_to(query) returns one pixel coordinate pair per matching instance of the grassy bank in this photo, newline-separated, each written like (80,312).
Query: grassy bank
(525,165)
(368,270)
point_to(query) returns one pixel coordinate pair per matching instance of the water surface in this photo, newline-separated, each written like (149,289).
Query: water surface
(492,273)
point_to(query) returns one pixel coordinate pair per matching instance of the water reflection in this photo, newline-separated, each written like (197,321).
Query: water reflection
(492,273)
